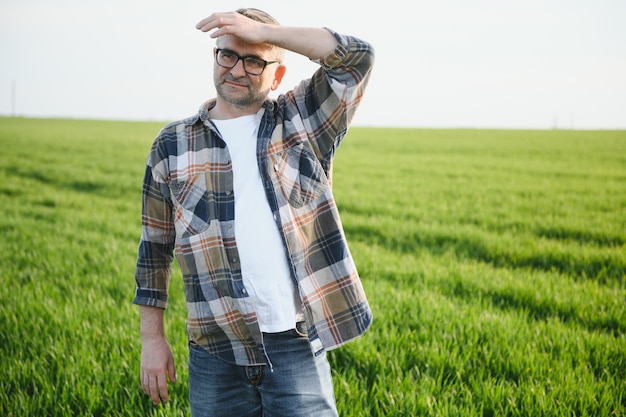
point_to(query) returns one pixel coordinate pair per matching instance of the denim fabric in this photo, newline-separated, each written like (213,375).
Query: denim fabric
(300,384)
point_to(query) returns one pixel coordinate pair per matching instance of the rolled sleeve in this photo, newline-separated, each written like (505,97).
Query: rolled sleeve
(156,248)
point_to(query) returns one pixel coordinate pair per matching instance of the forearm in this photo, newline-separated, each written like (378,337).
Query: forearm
(313,43)
(151,322)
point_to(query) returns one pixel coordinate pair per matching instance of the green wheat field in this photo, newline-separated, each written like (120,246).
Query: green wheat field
(494,262)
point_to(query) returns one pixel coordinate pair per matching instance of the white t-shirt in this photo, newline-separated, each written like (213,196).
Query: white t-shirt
(265,270)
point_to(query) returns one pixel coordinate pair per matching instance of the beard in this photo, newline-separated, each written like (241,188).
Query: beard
(240,98)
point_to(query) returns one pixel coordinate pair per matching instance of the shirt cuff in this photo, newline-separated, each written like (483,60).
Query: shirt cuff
(150,298)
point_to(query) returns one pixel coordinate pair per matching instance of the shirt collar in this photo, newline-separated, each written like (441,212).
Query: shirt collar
(203,112)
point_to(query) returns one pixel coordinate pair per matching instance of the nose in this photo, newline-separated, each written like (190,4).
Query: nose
(238,70)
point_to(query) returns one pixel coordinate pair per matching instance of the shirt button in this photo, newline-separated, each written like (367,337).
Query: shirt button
(244,291)
(275,167)
(235,260)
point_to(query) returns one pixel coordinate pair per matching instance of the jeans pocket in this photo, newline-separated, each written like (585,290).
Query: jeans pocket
(300,329)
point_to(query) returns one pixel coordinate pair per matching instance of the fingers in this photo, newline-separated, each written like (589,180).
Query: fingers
(160,390)
(171,372)
(214,21)
(230,23)
(155,386)
(205,24)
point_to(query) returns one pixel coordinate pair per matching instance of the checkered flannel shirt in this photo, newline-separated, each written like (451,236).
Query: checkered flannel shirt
(188,209)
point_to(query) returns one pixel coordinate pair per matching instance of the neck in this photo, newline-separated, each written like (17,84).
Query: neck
(224,110)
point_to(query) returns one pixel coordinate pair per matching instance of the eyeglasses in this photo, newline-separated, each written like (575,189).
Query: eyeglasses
(252,65)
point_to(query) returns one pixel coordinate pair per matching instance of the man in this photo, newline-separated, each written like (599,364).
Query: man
(241,192)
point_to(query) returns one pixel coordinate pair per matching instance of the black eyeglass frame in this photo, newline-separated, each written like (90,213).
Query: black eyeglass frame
(243,60)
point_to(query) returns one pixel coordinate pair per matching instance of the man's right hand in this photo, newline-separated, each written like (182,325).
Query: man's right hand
(157,364)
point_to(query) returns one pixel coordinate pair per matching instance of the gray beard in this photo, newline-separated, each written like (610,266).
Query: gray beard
(246,100)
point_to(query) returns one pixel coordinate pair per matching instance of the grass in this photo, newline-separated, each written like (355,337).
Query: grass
(494,261)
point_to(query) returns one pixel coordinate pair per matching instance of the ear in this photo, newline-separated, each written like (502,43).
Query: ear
(278,76)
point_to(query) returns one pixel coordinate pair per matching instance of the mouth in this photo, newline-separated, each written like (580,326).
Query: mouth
(234,83)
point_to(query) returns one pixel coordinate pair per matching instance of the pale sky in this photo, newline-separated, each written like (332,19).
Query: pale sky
(445,63)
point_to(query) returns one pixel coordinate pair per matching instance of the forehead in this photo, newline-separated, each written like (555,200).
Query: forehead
(241,47)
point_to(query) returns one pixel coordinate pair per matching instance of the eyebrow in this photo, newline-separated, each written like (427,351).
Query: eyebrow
(242,56)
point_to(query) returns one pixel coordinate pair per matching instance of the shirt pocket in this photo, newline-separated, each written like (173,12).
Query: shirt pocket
(193,208)
(300,175)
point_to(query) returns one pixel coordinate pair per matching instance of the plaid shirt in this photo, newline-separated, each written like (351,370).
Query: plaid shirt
(188,208)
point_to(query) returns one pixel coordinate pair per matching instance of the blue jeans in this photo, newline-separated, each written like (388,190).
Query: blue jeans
(300,384)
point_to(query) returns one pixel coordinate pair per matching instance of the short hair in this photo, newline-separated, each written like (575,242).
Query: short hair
(258,15)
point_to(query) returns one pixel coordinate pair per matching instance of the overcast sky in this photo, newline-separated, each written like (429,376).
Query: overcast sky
(444,63)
